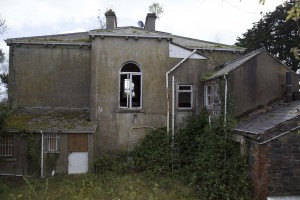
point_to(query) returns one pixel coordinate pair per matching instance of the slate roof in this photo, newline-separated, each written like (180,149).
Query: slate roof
(261,123)
(84,37)
(232,65)
(51,120)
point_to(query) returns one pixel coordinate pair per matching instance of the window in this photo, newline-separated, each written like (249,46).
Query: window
(208,97)
(130,86)
(52,143)
(185,96)
(6,146)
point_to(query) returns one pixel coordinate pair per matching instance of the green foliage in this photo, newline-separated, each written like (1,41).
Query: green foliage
(4,114)
(51,160)
(33,153)
(108,186)
(117,163)
(275,34)
(211,160)
(3,187)
(4,78)
(153,153)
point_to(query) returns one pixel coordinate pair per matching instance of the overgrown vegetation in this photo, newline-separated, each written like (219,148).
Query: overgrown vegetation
(107,186)
(211,162)
(4,114)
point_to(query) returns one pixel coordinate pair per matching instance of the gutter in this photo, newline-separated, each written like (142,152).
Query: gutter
(47,43)
(128,36)
(275,137)
(54,131)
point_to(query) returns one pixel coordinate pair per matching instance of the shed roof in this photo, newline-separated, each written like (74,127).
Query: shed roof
(50,120)
(276,115)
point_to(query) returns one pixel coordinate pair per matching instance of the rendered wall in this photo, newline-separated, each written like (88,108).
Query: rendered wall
(120,129)
(56,76)
(258,82)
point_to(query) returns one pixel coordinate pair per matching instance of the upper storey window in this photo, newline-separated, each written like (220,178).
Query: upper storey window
(130,86)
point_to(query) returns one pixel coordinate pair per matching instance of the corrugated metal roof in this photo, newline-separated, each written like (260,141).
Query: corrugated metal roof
(263,122)
(228,67)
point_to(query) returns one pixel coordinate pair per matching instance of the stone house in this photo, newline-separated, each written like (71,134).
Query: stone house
(84,94)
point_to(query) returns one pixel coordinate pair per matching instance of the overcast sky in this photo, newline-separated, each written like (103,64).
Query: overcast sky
(212,20)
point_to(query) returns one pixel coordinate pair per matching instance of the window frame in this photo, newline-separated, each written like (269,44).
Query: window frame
(7,147)
(129,99)
(52,143)
(191,91)
(207,95)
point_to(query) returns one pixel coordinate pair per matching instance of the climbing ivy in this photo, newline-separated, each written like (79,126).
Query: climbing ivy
(33,153)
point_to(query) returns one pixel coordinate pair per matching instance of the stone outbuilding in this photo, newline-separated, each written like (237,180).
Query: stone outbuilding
(271,139)
(253,80)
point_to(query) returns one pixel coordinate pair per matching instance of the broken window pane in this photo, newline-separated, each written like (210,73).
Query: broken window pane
(130,86)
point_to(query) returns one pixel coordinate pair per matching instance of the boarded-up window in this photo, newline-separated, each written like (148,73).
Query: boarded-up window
(78,142)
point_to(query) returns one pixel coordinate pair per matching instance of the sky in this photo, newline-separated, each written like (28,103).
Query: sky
(219,21)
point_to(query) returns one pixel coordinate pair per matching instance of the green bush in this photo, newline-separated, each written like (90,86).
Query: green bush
(212,160)
(4,114)
(153,153)
(117,163)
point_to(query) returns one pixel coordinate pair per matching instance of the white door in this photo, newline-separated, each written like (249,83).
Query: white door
(78,162)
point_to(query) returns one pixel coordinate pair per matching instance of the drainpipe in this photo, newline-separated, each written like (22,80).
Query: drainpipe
(167,87)
(173,110)
(225,111)
(225,100)
(42,155)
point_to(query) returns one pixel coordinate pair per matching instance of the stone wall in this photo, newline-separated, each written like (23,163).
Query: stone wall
(275,165)
(215,106)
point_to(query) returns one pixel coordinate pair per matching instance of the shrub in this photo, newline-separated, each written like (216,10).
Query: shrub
(117,163)
(153,153)
(212,160)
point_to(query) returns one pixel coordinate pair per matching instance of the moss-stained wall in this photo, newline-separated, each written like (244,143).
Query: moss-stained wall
(258,82)
(117,128)
(275,165)
(49,76)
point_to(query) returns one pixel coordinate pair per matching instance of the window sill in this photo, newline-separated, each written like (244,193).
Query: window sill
(128,110)
(185,109)
(8,159)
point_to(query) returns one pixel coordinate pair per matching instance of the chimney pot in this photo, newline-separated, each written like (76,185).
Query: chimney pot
(150,21)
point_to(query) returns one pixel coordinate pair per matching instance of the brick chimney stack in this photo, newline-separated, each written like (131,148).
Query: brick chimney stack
(111,19)
(150,21)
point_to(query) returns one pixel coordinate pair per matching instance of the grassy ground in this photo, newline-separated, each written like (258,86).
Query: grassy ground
(107,187)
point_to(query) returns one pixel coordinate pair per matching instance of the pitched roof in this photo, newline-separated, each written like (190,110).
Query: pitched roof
(276,115)
(128,31)
(232,65)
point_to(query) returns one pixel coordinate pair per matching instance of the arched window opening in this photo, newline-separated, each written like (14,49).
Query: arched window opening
(130,86)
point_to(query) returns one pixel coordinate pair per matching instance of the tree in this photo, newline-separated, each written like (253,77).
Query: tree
(157,9)
(3,68)
(275,34)
(101,20)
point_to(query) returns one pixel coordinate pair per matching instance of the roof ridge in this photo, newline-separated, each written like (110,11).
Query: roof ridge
(244,56)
